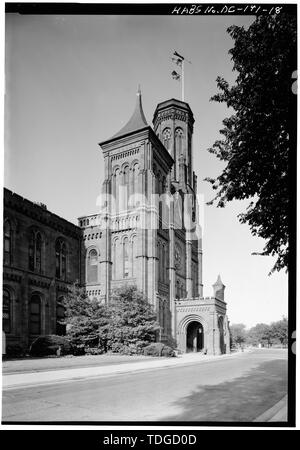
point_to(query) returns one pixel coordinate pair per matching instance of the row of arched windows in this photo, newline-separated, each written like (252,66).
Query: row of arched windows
(178,145)
(36,250)
(35,314)
(125,184)
(124,258)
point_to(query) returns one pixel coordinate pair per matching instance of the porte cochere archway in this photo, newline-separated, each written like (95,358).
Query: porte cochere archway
(194,337)
(192,334)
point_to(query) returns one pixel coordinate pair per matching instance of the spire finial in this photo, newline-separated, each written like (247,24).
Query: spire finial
(139,93)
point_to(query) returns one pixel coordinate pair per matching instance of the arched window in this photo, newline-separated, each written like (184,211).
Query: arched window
(92,266)
(7,243)
(38,250)
(126,187)
(31,250)
(179,140)
(125,259)
(6,316)
(60,259)
(136,182)
(178,148)
(177,289)
(133,256)
(116,189)
(114,271)
(166,138)
(60,317)
(35,314)
(35,251)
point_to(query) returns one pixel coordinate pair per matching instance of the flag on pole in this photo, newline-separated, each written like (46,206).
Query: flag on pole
(175,75)
(178,59)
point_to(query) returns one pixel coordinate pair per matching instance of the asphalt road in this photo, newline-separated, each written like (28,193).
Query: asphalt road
(239,388)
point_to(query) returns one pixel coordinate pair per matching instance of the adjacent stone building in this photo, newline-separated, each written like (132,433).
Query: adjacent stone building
(146,233)
(41,258)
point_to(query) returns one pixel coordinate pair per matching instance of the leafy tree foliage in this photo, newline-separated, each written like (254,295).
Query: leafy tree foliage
(268,335)
(255,144)
(87,320)
(260,334)
(126,325)
(133,322)
(238,334)
(279,331)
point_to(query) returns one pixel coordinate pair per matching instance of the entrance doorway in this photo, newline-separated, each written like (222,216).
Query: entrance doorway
(194,337)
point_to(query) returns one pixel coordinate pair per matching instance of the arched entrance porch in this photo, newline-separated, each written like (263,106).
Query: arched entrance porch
(194,337)
(192,334)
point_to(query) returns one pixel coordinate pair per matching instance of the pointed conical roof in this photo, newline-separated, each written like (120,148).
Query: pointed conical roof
(218,282)
(136,121)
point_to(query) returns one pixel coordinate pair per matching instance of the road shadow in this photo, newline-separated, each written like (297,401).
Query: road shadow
(240,400)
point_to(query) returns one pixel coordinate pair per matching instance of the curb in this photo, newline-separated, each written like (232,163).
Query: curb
(277,413)
(22,380)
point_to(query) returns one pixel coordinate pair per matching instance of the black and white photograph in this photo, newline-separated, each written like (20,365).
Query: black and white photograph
(149,215)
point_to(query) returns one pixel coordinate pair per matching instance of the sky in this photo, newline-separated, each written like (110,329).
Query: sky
(71,82)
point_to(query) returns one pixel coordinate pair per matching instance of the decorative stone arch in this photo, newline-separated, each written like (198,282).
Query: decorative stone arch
(124,166)
(134,163)
(182,330)
(115,169)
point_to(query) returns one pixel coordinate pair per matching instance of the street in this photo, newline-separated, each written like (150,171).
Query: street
(239,388)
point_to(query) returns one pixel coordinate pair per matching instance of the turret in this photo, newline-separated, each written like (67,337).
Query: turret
(219,289)
(173,123)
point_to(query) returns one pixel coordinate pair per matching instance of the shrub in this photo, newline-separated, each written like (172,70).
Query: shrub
(94,351)
(168,351)
(158,349)
(14,350)
(49,345)
(78,350)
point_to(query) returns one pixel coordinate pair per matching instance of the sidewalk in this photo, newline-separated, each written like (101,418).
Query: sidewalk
(15,380)
(278,412)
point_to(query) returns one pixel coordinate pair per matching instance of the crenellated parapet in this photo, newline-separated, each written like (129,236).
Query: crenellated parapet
(39,213)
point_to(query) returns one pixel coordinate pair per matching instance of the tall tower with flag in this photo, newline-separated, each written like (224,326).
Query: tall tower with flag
(147,232)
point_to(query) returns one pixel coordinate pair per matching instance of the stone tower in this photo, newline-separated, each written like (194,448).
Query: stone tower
(173,123)
(147,231)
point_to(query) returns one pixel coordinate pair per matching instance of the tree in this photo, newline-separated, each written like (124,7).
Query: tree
(255,145)
(279,331)
(260,334)
(126,325)
(87,320)
(133,322)
(238,334)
